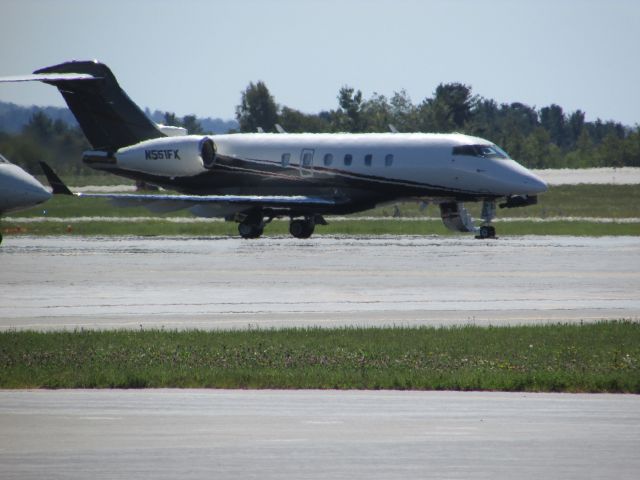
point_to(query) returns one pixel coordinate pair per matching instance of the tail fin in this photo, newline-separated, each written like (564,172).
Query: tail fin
(108,117)
(57,186)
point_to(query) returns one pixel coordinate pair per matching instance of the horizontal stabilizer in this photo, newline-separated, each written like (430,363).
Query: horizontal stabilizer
(49,77)
(107,116)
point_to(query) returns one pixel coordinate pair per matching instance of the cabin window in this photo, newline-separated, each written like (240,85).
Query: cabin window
(348,158)
(388,160)
(368,159)
(328,159)
(286,158)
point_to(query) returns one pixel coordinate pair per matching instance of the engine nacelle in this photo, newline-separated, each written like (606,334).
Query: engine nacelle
(172,156)
(171,131)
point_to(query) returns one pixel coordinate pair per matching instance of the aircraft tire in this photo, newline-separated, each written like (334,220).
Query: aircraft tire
(487,231)
(301,228)
(250,230)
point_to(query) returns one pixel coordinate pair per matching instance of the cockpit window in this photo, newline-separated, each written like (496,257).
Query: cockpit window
(484,151)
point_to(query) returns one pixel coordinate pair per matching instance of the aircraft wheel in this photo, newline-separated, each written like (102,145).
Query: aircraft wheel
(301,228)
(487,231)
(250,230)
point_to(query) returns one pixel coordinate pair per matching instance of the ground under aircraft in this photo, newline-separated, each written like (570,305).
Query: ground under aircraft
(252,178)
(18,189)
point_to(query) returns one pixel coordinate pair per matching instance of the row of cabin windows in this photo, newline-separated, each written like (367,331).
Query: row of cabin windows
(307,159)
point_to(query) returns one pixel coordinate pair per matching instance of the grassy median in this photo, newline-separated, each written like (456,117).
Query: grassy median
(601,357)
(587,204)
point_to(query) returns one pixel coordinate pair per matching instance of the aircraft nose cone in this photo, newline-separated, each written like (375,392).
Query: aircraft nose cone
(27,194)
(38,194)
(535,184)
(20,190)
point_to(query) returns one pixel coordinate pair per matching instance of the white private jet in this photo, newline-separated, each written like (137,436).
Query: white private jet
(252,178)
(18,189)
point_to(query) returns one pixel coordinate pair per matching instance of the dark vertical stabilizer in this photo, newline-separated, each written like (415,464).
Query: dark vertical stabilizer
(108,117)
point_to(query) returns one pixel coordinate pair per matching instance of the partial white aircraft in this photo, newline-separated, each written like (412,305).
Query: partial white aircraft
(18,189)
(252,178)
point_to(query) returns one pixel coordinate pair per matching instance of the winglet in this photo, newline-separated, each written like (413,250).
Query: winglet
(57,185)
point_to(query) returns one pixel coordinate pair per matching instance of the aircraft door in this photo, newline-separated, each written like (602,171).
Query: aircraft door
(306,162)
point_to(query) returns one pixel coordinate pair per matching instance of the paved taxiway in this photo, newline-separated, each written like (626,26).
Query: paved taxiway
(310,434)
(128,282)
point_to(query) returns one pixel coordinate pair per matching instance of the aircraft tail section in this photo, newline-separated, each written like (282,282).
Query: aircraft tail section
(108,117)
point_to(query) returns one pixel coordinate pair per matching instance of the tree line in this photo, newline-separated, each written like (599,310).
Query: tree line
(544,138)
(538,138)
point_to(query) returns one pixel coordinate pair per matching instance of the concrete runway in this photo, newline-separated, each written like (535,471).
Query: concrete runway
(191,434)
(211,283)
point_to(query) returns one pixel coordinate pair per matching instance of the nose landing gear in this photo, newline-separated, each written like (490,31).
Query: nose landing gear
(487,230)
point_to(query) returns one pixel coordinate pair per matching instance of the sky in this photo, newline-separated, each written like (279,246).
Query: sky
(196,57)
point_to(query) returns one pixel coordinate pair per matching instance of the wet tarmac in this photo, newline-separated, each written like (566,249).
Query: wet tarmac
(211,283)
(198,434)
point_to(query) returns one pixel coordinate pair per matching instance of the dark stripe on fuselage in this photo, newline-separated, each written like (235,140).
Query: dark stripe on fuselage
(271,175)
(236,176)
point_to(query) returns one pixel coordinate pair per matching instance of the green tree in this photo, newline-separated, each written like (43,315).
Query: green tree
(191,123)
(349,117)
(610,153)
(171,119)
(376,114)
(582,155)
(257,109)
(521,117)
(553,120)
(485,120)
(404,115)
(40,127)
(539,152)
(451,107)
(632,149)
(575,126)
(294,121)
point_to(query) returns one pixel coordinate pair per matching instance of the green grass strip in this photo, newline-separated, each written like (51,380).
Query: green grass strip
(601,357)
(161,227)
(608,201)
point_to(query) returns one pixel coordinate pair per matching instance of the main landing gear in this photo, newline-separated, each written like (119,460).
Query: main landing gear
(252,225)
(487,230)
(302,228)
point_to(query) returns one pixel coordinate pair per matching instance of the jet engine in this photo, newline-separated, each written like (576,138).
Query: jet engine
(170,156)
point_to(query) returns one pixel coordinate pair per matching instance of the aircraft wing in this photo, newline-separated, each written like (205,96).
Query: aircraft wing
(166,203)
(200,205)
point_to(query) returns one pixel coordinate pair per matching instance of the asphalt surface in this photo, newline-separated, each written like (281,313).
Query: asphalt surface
(194,434)
(211,283)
